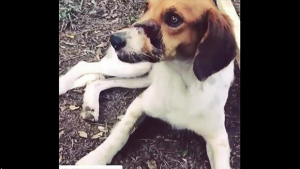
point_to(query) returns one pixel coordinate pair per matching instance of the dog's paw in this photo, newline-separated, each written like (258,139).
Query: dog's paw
(89,114)
(95,157)
(90,106)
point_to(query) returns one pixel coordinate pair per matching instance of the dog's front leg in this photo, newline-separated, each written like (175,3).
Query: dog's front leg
(109,65)
(103,154)
(90,107)
(218,149)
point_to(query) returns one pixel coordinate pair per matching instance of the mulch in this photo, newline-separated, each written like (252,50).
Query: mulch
(84,29)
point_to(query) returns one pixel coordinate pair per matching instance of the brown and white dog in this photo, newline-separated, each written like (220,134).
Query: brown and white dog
(188,49)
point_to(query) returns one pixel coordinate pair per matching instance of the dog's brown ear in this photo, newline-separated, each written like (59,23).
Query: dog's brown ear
(217,48)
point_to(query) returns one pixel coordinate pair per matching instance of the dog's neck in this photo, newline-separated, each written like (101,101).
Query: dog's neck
(185,69)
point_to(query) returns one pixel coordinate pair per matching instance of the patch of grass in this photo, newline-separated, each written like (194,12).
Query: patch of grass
(66,8)
(63,13)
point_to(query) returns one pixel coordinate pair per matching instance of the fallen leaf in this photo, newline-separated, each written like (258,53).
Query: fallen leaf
(68,43)
(62,108)
(92,12)
(60,158)
(61,133)
(73,107)
(97,135)
(89,51)
(82,134)
(101,45)
(101,128)
(151,164)
(70,36)
(120,117)
(184,153)
(94,2)
(98,52)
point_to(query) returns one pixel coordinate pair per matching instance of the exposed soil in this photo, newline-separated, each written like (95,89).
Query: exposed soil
(84,30)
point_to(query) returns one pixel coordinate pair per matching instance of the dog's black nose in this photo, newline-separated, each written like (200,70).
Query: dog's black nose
(118,40)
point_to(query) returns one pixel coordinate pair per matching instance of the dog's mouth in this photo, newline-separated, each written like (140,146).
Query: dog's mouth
(153,54)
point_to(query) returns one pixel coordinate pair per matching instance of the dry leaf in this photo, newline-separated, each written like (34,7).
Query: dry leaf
(102,129)
(98,52)
(60,158)
(97,135)
(70,36)
(151,164)
(61,133)
(184,153)
(62,108)
(94,2)
(73,107)
(92,12)
(82,134)
(101,45)
(120,117)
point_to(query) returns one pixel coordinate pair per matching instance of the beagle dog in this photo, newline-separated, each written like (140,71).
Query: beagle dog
(183,51)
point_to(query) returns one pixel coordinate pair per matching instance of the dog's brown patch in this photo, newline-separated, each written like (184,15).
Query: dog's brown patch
(184,38)
(147,47)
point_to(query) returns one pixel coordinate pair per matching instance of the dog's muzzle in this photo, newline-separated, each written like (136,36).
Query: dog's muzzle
(119,41)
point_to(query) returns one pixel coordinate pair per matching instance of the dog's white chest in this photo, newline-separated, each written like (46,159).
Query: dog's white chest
(168,99)
(183,106)
(164,105)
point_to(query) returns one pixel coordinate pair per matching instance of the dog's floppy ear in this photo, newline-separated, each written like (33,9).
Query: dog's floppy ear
(217,48)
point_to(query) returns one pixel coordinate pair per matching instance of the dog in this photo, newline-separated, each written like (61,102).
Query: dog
(183,52)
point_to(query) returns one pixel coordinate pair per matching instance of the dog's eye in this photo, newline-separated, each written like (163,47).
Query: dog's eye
(173,20)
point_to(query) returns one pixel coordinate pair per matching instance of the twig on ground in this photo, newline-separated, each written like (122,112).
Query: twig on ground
(98,52)
(81,5)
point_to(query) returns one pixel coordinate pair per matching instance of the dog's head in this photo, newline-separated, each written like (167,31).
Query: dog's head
(181,29)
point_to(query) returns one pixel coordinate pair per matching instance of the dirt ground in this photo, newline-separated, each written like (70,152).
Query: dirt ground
(84,30)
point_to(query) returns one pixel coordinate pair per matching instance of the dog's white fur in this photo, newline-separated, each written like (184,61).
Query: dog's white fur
(174,95)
